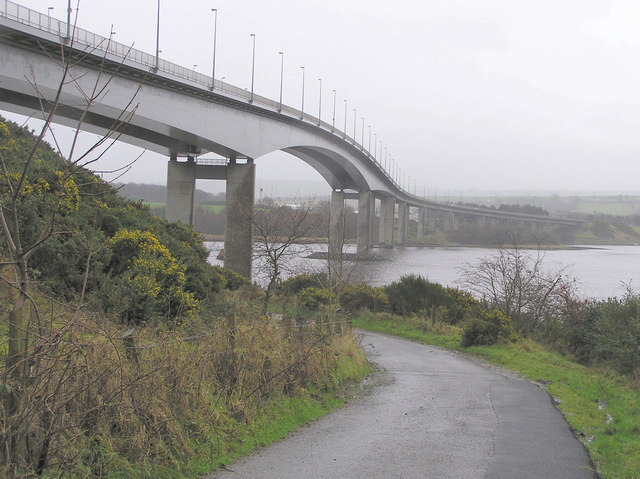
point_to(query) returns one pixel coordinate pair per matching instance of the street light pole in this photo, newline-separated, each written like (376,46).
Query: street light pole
(302,104)
(333,121)
(281,78)
(320,102)
(344,132)
(362,140)
(49,18)
(253,65)
(369,147)
(355,117)
(215,34)
(68,37)
(157,37)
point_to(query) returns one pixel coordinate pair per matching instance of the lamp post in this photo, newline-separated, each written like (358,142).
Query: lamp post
(49,17)
(302,104)
(375,147)
(281,78)
(157,36)
(194,67)
(344,132)
(68,37)
(355,116)
(369,147)
(215,34)
(320,101)
(333,121)
(362,139)
(253,65)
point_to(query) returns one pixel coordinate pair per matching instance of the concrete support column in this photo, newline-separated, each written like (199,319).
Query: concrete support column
(239,207)
(403,221)
(449,221)
(387,220)
(372,221)
(181,187)
(336,224)
(432,216)
(365,200)
(481,221)
(422,217)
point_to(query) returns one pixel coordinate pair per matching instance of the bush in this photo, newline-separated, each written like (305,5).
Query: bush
(356,297)
(414,294)
(487,328)
(607,333)
(295,284)
(231,280)
(312,298)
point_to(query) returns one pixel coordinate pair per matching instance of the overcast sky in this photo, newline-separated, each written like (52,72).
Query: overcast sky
(465,94)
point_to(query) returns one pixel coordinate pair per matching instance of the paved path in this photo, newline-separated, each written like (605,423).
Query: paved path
(436,414)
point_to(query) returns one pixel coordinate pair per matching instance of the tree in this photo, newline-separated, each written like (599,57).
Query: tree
(277,233)
(520,286)
(21,186)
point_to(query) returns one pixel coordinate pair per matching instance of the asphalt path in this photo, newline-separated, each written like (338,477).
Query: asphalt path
(432,414)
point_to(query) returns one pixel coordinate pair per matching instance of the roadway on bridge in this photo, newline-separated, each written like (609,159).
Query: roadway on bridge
(434,414)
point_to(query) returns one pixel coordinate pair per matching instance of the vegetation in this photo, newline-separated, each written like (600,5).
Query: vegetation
(138,358)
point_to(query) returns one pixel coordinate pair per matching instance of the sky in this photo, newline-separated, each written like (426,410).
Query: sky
(466,95)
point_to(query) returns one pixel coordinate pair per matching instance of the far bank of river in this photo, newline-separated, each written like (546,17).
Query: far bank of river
(602,271)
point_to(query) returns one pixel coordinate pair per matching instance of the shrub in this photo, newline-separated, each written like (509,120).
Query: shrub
(356,297)
(295,284)
(413,294)
(487,328)
(312,298)
(232,280)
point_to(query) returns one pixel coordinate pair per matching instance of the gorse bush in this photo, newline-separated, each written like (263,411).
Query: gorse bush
(312,298)
(363,296)
(413,294)
(486,328)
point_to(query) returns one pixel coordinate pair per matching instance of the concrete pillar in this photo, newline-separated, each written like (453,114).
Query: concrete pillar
(449,220)
(422,217)
(481,221)
(372,221)
(181,187)
(403,221)
(387,220)
(336,224)
(432,216)
(239,207)
(365,200)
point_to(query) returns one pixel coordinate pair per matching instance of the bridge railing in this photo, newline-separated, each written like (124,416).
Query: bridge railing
(80,37)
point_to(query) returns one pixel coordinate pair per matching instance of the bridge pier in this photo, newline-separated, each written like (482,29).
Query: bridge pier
(336,223)
(181,187)
(403,221)
(387,220)
(422,213)
(432,216)
(238,239)
(364,227)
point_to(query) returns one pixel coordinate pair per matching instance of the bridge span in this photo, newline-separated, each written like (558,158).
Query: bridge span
(183,114)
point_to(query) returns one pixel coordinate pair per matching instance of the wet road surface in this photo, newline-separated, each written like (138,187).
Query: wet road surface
(435,414)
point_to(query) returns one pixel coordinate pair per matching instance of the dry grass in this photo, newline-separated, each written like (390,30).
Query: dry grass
(92,404)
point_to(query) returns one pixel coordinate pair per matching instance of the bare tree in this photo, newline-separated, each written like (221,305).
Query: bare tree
(278,231)
(519,285)
(19,246)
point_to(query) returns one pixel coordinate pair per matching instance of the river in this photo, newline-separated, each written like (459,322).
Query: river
(601,272)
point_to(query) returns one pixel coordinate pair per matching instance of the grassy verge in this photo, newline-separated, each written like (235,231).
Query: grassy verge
(601,407)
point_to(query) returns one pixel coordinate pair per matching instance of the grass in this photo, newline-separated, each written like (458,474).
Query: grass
(601,407)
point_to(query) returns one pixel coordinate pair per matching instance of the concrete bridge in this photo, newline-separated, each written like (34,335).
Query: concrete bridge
(182,114)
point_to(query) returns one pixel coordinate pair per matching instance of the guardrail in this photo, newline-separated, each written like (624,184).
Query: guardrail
(74,35)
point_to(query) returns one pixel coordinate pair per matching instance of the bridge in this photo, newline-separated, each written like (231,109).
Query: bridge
(182,114)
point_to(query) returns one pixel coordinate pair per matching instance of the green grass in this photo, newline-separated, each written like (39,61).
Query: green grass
(601,407)
(212,208)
